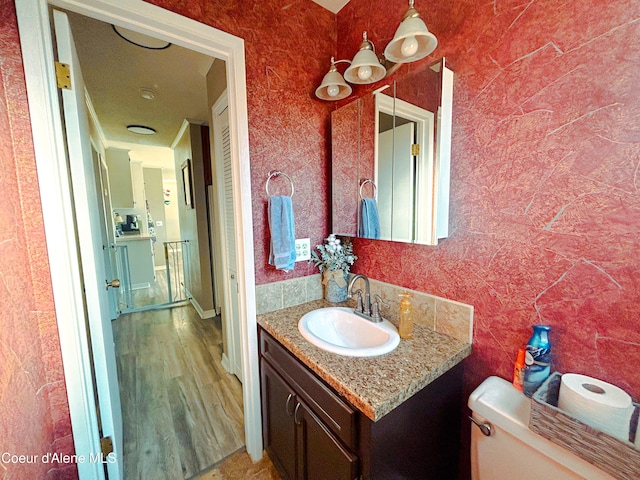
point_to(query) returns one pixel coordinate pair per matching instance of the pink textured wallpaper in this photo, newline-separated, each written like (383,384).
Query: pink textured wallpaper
(34,411)
(545,214)
(366,167)
(289,131)
(345,138)
(288,47)
(545,207)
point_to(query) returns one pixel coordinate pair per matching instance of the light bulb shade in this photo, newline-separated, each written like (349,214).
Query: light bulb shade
(411,27)
(328,86)
(365,58)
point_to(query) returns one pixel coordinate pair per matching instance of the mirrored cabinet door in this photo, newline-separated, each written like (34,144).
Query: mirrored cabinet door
(391,159)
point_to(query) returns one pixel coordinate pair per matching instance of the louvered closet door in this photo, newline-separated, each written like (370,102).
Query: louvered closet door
(234,354)
(228,191)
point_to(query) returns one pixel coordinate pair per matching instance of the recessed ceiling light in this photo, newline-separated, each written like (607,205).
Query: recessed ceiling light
(140,39)
(141,129)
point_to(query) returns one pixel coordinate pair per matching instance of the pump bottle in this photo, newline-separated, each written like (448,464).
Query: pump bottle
(405,316)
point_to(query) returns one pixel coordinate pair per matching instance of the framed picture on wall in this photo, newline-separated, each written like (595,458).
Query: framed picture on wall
(186,183)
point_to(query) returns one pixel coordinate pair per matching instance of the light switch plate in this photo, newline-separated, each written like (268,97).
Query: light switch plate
(303,249)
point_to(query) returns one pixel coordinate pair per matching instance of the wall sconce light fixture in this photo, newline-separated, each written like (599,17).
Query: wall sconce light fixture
(412,41)
(333,86)
(365,66)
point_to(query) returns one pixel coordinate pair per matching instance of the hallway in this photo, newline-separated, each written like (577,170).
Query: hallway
(182,412)
(157,293)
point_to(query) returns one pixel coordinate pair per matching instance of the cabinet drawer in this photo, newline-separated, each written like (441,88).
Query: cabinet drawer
(339,416)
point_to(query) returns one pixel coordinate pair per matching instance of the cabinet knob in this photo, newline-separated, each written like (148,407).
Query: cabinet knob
(115,283)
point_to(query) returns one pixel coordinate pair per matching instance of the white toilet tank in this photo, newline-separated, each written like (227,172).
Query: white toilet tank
(512,451)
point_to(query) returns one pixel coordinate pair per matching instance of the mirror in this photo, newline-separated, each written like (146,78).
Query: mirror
(391,154)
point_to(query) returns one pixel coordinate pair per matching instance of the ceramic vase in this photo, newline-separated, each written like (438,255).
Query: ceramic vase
(333,291)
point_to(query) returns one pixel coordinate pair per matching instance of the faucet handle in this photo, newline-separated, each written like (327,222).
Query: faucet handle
(358,292)
(375,308)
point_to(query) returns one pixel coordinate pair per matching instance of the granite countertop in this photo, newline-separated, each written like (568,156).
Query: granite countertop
(374,385)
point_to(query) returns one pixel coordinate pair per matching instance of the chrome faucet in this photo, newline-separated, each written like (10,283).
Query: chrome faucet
(364,307)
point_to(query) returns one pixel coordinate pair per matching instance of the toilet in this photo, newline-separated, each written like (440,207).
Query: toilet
(512,451)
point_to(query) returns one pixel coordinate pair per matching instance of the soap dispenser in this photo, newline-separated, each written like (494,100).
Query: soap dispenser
(405,316)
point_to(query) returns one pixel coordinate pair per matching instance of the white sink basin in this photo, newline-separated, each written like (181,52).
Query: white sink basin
(339,330)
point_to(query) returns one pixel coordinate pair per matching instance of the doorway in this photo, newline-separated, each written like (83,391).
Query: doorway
(52,174)
(182,411)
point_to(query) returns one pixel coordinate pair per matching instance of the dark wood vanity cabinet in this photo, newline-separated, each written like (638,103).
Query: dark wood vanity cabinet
(301,444)
(312,433)
(279,429)
(321,453)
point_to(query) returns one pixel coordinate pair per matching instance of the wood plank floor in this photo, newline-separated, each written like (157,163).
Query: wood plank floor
(156,294)
(182,412)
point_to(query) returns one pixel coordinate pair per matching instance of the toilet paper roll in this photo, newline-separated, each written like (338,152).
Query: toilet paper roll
(597,403)
(635,426)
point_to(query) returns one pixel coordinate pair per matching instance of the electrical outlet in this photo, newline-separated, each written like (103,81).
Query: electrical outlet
(303,249)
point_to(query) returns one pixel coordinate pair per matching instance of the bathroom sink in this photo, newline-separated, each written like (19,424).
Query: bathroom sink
(339,330)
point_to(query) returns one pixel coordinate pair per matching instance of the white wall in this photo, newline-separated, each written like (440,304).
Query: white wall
(154,193)
(194,225)
(161,157)
(171,211)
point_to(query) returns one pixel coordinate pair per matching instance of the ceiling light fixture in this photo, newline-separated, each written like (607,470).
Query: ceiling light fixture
(411,42)
(140,39)
(141,129)
(147,93)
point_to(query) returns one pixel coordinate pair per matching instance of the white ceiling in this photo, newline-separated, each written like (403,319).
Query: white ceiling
(332,5)
(115,70)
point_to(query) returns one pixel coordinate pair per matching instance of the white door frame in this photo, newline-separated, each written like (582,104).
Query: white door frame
(49,145)
(427,177)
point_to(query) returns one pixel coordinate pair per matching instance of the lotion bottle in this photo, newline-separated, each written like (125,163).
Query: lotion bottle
(405,316)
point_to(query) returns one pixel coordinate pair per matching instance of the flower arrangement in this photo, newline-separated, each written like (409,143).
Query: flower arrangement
(333,256)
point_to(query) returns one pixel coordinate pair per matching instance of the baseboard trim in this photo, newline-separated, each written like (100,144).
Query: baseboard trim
(203,313)
(225,363)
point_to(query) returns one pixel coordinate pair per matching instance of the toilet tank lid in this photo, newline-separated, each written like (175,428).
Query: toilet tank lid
(502,405)
(499,402)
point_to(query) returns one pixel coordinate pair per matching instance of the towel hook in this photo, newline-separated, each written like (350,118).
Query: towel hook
(276,173)
(375,188)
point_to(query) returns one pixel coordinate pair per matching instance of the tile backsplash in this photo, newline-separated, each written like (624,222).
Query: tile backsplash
(287,293)
(440,314)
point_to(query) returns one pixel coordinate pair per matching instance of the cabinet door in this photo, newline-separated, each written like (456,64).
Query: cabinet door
(278,403)
(320,453)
